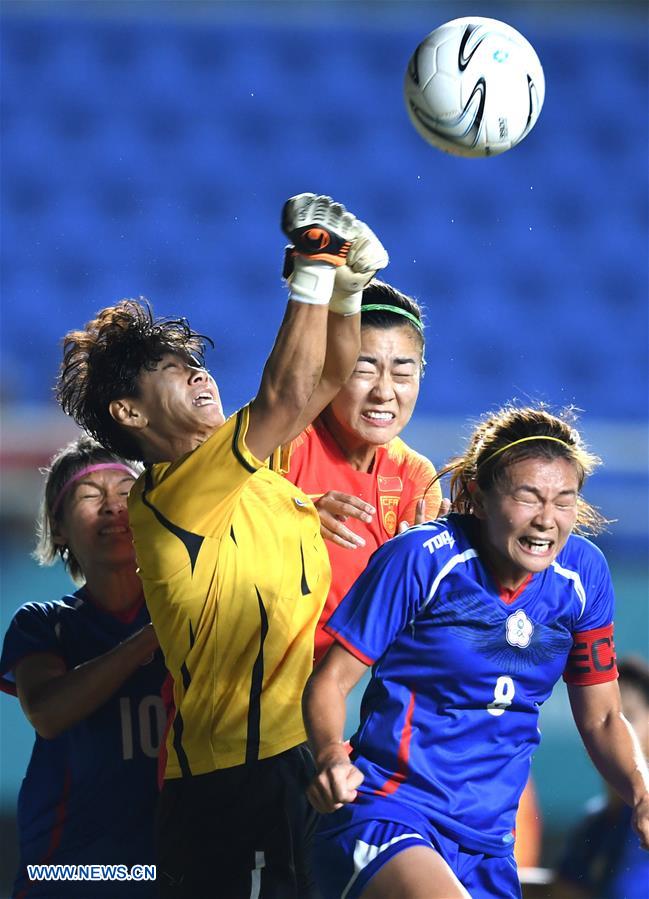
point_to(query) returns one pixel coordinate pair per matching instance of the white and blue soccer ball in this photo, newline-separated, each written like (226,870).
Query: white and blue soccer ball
(474,87)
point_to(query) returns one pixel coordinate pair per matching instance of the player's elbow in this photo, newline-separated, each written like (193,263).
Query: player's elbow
(48,733)
(41,715)
(44,723)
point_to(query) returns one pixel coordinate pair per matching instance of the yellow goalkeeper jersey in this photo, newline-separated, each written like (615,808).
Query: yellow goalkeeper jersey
(235,576)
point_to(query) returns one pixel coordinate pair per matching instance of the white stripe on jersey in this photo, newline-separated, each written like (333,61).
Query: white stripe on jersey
(574,577)
(450,565)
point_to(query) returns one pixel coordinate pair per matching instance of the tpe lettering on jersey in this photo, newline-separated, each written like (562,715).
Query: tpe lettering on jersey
(437,541)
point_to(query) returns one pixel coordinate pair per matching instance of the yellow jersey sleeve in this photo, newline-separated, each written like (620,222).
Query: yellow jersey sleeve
(198,492)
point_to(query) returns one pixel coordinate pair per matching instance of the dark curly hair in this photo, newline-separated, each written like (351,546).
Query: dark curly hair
(102,364)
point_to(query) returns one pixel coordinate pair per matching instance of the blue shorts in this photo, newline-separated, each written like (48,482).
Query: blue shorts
(351,846)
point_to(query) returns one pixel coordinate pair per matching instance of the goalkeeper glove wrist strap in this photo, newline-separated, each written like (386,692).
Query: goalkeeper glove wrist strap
(311,282)
(346,303)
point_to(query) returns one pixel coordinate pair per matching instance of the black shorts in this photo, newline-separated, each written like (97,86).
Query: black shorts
(239,833)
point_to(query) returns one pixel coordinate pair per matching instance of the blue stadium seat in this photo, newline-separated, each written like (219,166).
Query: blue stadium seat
(153,157)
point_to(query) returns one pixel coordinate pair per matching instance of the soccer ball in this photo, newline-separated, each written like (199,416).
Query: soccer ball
(474,87)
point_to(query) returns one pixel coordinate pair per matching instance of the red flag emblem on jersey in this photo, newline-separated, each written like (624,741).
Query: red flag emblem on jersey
(390,484)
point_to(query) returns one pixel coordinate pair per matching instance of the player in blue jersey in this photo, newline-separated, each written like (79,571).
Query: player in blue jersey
(468,622)
(87,671)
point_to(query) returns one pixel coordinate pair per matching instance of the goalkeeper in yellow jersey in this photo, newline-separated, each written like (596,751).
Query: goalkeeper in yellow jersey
(235,572)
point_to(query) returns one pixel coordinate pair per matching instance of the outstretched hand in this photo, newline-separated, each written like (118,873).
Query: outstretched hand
(334,508)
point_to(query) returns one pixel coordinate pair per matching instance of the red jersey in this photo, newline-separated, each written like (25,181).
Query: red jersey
(398,479)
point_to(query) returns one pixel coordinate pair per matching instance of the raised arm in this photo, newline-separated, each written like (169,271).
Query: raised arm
(365,257)
(613,747)
(324,710)
(317,344)
(54,698)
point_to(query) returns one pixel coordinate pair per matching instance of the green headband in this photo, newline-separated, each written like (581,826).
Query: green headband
(522,440)
(379,307)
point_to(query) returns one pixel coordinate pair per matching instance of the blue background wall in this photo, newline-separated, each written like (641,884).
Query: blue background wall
(153,156)
(148,149)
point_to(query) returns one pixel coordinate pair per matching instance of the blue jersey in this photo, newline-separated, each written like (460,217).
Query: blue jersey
(449,718)
(89,794)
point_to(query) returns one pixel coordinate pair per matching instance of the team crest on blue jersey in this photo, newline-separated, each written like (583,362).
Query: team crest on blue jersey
(519,630)
(499,636)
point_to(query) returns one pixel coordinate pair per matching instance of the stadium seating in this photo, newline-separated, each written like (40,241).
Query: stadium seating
(140,158)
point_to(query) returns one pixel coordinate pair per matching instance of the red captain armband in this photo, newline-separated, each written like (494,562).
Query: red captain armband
(592,658)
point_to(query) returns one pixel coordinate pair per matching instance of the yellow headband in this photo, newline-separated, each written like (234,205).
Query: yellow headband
(522,440)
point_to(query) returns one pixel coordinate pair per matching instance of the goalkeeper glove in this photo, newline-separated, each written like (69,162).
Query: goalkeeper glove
(365,257)
(321,231)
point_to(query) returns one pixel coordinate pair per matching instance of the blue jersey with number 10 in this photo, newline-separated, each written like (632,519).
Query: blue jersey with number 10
(89,794)
(449,719)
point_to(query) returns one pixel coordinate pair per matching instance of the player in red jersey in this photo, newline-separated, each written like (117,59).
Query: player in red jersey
(365,481)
